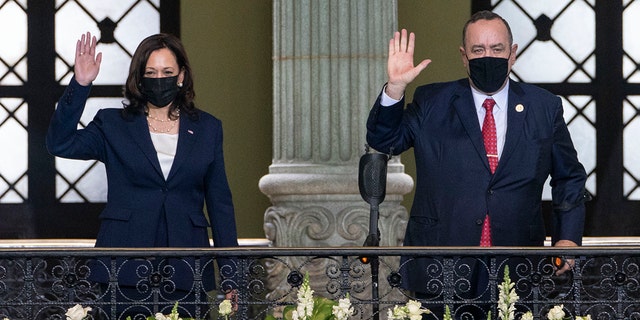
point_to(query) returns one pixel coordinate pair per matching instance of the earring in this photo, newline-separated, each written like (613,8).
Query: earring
(179,84)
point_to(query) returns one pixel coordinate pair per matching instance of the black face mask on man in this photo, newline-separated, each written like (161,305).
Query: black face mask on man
(160,91)
(488,73)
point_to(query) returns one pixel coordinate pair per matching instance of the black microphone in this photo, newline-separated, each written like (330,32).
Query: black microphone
(372,177)
(372,181)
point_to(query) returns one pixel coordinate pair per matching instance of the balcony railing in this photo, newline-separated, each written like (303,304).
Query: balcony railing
(42,283)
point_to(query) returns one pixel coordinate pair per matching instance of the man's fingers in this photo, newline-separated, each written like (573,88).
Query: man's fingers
(564,269)
(423,64)
(562,265)
(396,43)
(403,40)
(411,44)
(392,47)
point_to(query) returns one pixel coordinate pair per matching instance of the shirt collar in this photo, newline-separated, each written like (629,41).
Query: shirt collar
(501,97)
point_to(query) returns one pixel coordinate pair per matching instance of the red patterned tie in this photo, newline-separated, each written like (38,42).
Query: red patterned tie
(489,134)
(491,146)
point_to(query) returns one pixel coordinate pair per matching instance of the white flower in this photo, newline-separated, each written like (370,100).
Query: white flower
(507,298)
(225,308)
(412,310)
(172,316)
(398,313)
(343,310)
(587,317)
(77,312)
(160,316)
(304,309)
(527,316)
(415,310)
(556,313)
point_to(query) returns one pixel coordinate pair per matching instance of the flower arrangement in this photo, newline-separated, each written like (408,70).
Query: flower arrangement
(344,309)
(77,312)
(309,307)
(225,308)
(159,316)
(556,313)
(412,310)
(507,297)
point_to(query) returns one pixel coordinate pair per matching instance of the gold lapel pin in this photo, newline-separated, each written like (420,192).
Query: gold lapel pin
(519,108)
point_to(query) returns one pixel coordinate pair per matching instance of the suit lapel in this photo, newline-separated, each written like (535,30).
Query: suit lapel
(465,107)
(516,112)
(187,138)
(140,134)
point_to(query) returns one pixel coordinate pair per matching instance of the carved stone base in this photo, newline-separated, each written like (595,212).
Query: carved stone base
(326,210)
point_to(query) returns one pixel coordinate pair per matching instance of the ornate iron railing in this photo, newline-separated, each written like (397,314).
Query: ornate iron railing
(44,283)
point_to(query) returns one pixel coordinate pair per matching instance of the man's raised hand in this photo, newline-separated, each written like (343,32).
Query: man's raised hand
(400,68)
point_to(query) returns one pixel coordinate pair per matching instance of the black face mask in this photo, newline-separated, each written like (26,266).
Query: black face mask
(488,73)
(160,91)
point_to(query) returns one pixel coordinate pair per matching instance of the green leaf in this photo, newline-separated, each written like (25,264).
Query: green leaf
(323,308)
(287,313)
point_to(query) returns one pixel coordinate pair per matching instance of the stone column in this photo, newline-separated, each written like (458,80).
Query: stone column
(329,65)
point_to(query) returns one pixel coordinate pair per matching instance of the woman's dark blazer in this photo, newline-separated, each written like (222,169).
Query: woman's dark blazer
(139,197)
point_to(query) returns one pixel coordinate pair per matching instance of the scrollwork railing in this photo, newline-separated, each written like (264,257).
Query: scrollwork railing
(44,283)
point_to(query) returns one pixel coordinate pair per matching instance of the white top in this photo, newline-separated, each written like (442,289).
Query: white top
(166,145)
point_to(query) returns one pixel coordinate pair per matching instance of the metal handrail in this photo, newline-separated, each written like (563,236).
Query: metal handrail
(247,252)
(605,281)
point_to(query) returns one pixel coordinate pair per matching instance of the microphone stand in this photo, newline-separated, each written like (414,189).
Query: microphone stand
(372,180)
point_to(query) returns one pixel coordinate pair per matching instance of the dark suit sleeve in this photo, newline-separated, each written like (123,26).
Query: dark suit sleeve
(63,138)
(389,128)
(568,179)
(221,212)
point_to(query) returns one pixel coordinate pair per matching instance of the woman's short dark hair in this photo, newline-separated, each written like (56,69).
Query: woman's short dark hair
(136,102)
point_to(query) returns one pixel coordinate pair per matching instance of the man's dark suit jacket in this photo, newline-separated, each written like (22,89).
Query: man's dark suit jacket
(139,197)
(454,186)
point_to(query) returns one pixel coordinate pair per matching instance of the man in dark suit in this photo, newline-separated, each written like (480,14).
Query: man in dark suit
(466,184)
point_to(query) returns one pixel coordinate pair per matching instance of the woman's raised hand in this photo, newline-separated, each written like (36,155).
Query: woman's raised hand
(87,63)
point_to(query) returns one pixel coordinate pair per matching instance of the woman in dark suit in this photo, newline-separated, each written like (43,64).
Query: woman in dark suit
(163,160)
